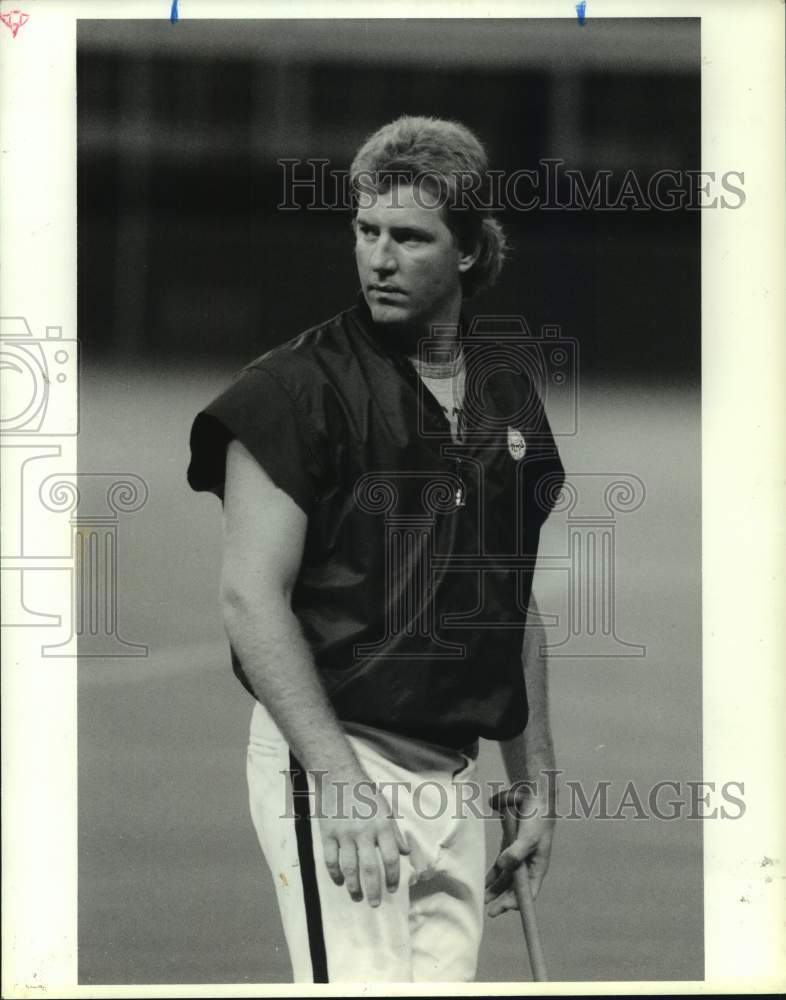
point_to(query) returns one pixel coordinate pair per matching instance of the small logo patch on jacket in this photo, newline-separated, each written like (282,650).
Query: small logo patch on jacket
(517,446)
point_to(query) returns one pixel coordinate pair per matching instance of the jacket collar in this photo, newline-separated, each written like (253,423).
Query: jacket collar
(382,343)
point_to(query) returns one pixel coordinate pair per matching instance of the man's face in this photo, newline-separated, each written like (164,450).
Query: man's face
(408,260)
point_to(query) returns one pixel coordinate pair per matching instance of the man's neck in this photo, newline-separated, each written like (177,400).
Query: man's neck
(442,350)
(443,336)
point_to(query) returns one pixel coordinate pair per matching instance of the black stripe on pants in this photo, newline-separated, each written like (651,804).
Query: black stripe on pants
(308,872)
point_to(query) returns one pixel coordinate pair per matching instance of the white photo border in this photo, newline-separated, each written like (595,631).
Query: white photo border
(743,366)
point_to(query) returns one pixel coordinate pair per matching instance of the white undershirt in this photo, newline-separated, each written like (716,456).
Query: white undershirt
(445,380)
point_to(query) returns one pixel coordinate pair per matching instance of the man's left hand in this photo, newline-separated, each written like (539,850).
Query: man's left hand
(532,847)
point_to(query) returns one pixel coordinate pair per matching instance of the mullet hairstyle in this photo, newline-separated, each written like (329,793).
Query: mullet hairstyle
(447,165)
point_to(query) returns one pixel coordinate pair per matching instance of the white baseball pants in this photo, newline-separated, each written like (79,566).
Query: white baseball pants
(429,930)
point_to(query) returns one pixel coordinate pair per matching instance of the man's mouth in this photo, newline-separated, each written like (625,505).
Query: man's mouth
(386,289)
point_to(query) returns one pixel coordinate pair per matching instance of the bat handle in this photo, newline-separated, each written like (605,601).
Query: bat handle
(526,906)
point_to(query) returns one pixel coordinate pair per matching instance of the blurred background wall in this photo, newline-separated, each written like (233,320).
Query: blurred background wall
(182,251)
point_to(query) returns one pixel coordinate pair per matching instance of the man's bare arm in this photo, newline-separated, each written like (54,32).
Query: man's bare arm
(528,757)
(530,754)
(264,536)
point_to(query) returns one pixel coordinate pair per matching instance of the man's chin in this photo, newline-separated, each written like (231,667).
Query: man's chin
(389,314)
(396,327)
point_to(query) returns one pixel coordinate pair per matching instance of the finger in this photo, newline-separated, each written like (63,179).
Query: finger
(498,886)
(369,872)
(389,852)
(330,851)
(348,859)
(505,902)
(537,869)
(496,878)
(516,854)
(403,846)
(492,874)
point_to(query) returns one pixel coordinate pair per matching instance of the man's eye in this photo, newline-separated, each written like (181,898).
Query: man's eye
(366,232)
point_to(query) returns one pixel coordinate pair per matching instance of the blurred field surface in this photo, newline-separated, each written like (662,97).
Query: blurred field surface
(172,886)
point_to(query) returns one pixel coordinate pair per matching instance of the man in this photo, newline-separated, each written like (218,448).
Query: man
(382,507)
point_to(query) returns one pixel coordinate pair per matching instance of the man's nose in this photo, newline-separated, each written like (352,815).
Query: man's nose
(382,256)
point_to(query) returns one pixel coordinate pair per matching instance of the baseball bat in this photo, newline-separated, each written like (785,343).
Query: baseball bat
(526,904)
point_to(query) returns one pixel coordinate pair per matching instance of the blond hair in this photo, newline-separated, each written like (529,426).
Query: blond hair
(448,159)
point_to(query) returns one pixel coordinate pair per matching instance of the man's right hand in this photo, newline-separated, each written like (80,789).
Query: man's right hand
(358,832)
